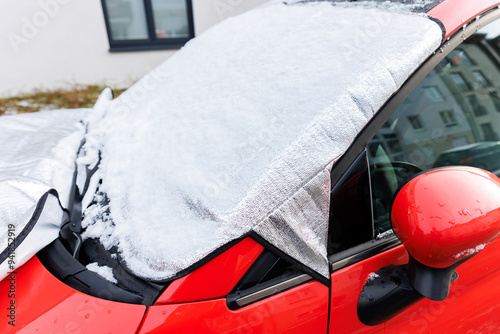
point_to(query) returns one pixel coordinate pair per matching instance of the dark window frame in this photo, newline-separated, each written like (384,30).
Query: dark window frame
(481,78)
(460,81)
(416,122)
(448,118)
(477,108)
(465,58)
(438,97)
(495,97)
(152,42)
(488,131)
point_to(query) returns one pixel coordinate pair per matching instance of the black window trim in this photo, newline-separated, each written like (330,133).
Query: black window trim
(374,247)
(152,43)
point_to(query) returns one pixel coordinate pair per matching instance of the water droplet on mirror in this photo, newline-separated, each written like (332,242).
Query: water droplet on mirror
(464,212)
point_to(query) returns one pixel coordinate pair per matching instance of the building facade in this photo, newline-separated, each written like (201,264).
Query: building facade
(48,44)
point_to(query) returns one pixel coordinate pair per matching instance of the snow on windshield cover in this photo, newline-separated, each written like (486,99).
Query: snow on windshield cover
(237,133)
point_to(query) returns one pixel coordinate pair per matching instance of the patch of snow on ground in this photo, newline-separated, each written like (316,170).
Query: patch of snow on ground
(25,103)
(10,111)
(48,107)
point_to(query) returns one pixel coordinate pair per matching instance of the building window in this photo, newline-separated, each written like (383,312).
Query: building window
(459,56)
(488,132)
(496,100)
(477,108)
(148,24)
(460,81)
(434,94)
(479,76)
(416,122)
(465,58)
(448,118)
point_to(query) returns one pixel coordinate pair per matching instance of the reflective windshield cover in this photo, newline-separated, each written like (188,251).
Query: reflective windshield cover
(237,132)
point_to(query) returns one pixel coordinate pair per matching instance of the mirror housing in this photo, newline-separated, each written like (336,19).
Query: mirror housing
(443,217)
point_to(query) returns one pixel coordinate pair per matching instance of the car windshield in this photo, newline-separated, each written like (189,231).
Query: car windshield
(268,101)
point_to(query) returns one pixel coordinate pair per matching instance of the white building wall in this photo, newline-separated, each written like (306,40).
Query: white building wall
(59,43)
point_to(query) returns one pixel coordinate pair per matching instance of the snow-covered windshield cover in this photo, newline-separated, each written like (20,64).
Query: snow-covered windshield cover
(37,166)
(237,133)
(418,6)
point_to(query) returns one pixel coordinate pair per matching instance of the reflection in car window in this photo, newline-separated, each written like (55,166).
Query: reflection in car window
(451,118)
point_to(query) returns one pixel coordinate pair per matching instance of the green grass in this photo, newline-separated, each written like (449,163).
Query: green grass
(77,97)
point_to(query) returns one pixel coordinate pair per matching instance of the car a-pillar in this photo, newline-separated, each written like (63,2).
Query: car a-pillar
(443,217)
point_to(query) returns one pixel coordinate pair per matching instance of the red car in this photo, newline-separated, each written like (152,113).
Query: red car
(293,190)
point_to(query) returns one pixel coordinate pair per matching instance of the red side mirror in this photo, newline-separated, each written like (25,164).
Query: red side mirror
(443,217)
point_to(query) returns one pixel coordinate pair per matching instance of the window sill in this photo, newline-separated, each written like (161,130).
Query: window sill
(129,48)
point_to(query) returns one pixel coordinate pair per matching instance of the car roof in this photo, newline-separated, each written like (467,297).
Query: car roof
(451,14)
(455,14)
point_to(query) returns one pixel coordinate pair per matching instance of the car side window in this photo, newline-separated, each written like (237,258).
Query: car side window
(451,118)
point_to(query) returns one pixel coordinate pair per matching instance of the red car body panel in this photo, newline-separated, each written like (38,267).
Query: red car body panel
(455,13)
(471,304)
(471,307)
(43,304)
(347,284)
(216,278)
(300,310)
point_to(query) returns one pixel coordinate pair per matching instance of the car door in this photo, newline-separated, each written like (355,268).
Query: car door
(451,102)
